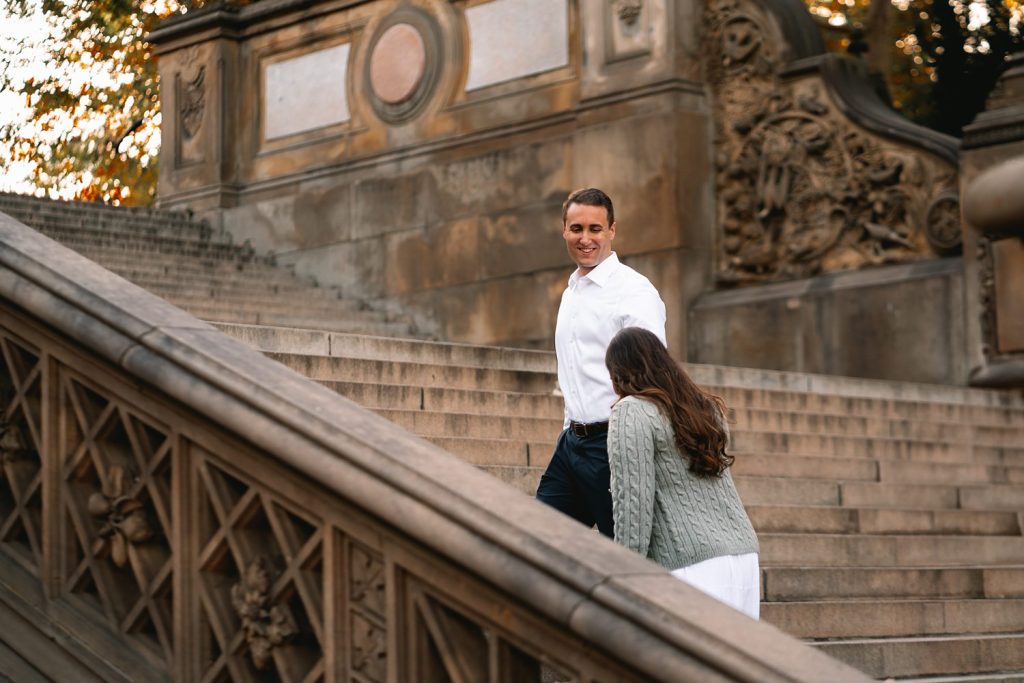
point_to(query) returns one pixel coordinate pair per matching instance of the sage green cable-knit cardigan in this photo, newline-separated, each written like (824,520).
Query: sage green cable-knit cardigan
(661,509)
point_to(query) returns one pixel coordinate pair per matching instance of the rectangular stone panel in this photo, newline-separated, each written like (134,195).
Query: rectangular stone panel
(1008,255)
(306,92)
(511,39)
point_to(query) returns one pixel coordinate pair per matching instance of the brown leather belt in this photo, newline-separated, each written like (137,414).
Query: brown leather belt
(583,430)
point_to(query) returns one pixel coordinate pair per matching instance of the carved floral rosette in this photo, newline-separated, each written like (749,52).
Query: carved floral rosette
(800,189)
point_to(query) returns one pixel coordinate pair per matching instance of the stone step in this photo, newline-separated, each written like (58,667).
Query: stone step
(782,584)
(126,240)
(381,396)
(355,324)
(805,518)
(184,267)
(1001,677)
(841,550)
(258,289)
(851,387)
(858,446)
(954,656)
(31,211)
(118,224)
(317,342)
(901,471)
(857,494)
(428,424)
(860,618)
(291,304)
(211,308)
(884,427)
(322,368)
(792,401)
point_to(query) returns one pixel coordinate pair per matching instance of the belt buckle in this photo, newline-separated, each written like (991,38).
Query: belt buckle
(579,429)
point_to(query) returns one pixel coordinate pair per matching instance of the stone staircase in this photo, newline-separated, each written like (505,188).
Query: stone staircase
(196,268)
(889,514)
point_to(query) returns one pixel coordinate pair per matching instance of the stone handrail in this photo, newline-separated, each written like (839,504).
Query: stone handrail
(175,506)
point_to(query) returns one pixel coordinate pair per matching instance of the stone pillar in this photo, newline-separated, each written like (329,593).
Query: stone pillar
(992,178)
(200,112)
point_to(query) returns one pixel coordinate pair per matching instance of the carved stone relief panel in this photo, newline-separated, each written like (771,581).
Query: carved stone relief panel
(802,190)
(628,27)
(115,491)
(21,494)
(191,82)
(260,581)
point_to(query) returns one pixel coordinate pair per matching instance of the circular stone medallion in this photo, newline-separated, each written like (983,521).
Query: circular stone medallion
(397,64)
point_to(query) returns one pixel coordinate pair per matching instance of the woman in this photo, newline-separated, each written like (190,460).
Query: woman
(673,499)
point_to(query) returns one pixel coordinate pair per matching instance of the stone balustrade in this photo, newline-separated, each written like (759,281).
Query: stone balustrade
(175,506)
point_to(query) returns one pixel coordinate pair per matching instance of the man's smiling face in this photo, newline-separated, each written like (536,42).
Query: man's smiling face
(588,236)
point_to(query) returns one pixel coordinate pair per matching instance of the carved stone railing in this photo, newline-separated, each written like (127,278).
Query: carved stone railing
(175,506)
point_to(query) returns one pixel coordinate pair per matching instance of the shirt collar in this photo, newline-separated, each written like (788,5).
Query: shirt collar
(601,273)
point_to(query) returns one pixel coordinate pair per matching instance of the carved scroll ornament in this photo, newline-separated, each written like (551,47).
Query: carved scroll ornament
(801,190)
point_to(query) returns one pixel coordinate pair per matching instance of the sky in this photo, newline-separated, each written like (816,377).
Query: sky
(12,105)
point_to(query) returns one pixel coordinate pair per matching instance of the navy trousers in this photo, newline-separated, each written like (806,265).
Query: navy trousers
(577,480)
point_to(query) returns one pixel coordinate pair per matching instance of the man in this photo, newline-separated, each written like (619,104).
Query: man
(603,297)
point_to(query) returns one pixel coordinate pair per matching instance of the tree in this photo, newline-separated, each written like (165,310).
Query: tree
(94,107)
(936,60)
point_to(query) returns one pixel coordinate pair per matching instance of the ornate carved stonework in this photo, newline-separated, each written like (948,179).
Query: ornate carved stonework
(191,102)
(367,586)
(11,444)
(628,11)
(987,296)
(265,625)
(801,190)
(123,516)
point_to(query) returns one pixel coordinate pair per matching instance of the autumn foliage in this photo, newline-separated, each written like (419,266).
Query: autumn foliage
(94,110)
(936,61)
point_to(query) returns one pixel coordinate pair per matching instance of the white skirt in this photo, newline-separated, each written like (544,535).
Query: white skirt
(733,579)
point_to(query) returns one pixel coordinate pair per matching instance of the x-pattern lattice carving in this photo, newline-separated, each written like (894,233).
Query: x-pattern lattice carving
(247,532)
(454,645)
(20,448)
(367,625)
(116,500)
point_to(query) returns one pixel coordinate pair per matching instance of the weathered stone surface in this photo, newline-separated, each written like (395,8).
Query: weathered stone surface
(306,92)
(510,39)
(869,324)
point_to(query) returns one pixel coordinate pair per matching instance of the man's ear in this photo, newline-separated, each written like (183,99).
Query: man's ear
(611,229)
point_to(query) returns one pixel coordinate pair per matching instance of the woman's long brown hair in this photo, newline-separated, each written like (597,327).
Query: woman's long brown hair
(640,365)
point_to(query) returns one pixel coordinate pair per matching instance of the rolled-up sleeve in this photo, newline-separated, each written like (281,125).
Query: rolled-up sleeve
(631,462)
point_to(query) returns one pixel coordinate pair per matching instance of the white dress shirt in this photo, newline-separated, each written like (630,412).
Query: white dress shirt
(594,307)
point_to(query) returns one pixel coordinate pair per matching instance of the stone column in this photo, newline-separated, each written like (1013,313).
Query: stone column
(200,110)
(992,175)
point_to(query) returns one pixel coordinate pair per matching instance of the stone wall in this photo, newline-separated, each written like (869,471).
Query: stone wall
(415,155)
(434,185)
(899,322)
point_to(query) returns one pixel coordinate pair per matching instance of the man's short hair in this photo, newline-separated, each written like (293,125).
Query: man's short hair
(590,196)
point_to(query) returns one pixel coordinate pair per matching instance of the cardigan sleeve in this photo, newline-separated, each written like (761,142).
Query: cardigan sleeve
(631,449)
